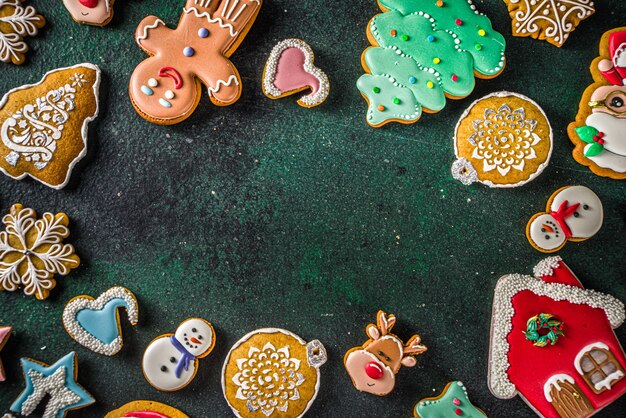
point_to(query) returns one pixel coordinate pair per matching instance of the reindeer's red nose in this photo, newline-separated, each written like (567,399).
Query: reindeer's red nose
(89,3)
(373,370)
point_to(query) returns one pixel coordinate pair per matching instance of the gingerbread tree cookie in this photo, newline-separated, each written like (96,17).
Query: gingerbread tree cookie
(165,88)
(17,22)
(423,52)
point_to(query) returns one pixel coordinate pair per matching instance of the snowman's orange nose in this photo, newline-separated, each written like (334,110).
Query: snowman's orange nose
(194,340)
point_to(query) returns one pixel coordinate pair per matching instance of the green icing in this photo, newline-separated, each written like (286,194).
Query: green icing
(444,407)
(408,109)
(421,42)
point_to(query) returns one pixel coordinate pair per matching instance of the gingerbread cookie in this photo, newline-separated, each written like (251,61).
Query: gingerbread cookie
(573,213)
(288,374)
(165,88)
(579,375)
(290,70)
(17,22)
(171,361)
(33,252)
(5,333)
(44,125)
(56,384)
(552,21)
(599,132)
(90,12)
(373,367)
(502,140)
(453,401)
(95,323)
(145,409)
(423,52)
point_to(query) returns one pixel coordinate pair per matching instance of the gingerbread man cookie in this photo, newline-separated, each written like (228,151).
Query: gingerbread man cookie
(165,88)
(90,12)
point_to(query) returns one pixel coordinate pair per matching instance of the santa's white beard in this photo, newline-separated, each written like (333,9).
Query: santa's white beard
(614,155)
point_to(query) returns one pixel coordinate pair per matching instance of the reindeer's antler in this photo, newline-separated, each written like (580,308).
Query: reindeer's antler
(413,346)
(385,322)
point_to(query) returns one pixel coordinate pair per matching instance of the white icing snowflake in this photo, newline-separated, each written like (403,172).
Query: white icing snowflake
(23,21)
(504,139)
(32,251)
(268,379)
(554,19)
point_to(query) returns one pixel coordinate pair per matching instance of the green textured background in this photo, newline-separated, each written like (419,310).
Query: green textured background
(267,214)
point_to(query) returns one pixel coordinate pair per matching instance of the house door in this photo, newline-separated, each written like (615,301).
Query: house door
(567,398)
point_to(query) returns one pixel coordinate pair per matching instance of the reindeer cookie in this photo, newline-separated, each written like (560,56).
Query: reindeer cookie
(373,367)
(165,88)
(90,12)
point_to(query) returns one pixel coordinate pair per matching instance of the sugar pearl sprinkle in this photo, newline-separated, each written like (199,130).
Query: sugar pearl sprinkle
(83,337)
(272,65)
(503,311)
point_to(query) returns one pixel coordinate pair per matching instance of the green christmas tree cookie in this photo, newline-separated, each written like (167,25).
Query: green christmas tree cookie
(452,402)
(425,50)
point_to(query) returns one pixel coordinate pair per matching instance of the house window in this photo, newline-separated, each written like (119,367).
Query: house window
(598,366)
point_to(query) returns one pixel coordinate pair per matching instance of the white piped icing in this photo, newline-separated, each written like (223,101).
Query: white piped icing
(220,83)
(554,381)
(606,383)
(146,28)
(547,266)
(210,19)
(584,351)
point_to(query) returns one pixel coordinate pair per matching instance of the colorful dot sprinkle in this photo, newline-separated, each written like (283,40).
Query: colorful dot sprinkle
(458,22)
(396,100)
(455,78)
(482,32)
(405,37)
(393,32)
(430,84)
(478,47)
(412,80)
(439,3)
(436,60)
(430,38)
(376,90)
(381,108)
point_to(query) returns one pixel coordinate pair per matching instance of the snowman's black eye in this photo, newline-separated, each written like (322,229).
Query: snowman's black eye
(172,359)
(543,229)
(586,207)
(194,330)
(163,369)
(576,214)
(199,337)
(617,102)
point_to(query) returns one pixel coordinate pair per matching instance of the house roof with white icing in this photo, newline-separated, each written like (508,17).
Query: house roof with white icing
(503,312)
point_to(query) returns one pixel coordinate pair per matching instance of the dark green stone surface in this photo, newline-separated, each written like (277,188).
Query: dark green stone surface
(267,214)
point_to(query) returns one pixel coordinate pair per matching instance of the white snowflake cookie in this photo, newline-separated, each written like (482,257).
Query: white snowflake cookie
(17,22)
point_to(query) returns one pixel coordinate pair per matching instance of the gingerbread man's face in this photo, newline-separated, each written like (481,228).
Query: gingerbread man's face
(91,12)
(165,88)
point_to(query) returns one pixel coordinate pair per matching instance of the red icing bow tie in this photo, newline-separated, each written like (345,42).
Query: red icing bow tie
(562,213)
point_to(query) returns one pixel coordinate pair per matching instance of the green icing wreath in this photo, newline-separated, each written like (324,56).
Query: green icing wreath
(543,321)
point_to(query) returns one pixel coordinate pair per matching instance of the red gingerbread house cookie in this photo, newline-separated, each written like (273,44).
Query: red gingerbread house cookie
(582,369)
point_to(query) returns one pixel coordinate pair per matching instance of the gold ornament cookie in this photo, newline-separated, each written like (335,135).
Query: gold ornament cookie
(599,132)
(548,20)
(272,373)
(502,140)
(32,251)
(17,22)
(145,409)
(44,125)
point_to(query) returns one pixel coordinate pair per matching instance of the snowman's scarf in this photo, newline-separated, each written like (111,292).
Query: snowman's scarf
(185,359)
(562,213)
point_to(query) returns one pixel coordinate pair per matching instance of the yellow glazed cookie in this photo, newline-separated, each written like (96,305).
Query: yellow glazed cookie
(273,373)
(33,251)
(502,140)
(145,409)
(44,125)
(599,132)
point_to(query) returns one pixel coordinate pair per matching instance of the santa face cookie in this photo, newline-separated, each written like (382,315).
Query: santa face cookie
(170,362)
(453,401)
(599,132)
(145,409)
(272,373)
(502,140)
(44,125)
(423,52)
(17,22)
(373,367)
(95,323)
(166,87)
(584,371)
(289,70)
(90,12)
(573,213)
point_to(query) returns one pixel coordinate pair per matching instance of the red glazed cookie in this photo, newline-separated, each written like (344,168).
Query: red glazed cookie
(165,88)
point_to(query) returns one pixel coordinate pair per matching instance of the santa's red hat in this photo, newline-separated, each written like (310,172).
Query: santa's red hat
(614,70)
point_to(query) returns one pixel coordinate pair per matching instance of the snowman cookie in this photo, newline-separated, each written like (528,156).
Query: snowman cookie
(272,373)
(502,140)
(573,213)
(171,361)
(90,12)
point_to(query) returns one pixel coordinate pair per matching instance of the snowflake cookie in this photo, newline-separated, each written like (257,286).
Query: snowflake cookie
(453,401)
(288,374)
(17,22)
(44,125)
(502,140)
(550,20)
(55,384)
(32,251)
